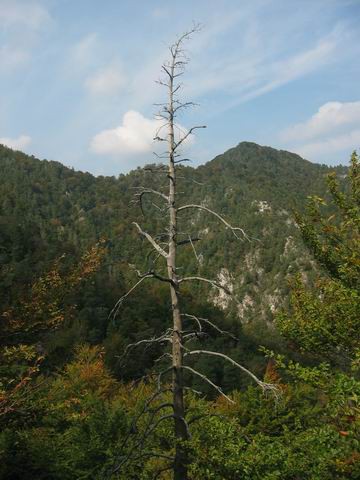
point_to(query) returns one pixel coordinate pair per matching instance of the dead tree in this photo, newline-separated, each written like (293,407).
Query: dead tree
(165,248)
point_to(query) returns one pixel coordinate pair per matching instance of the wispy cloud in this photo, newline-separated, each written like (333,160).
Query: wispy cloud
(330,117)
(20,24)
(106,81)
(247,53)
(333,128)
(82,53)
(12,57)
(258,69)
(160,13)
(19,143)
(346,142)
(282,72)
(29,14)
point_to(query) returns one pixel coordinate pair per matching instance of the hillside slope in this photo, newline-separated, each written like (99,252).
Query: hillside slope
(47,209)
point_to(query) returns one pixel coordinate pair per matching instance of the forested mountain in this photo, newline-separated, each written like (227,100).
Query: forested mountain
(48,210)
(75,402)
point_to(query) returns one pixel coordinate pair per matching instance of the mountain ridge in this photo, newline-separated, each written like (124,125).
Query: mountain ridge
(239,147)
(47,209)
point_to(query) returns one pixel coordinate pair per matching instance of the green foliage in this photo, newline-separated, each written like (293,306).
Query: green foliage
(87,414)
(82,423)
(325,320)
(335,239)
(25,326)
(255,439)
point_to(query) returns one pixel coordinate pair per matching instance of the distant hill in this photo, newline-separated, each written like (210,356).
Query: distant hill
(47,209)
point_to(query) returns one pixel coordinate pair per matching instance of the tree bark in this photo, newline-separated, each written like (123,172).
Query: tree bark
(181,434)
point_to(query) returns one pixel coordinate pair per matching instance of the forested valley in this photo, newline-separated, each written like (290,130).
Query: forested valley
(77,403)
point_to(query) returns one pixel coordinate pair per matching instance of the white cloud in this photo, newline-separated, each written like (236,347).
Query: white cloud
(330,117)
(82,53)
(135,135)
(343,142)
(108,81)
(11,58)
(333,128)
(22,13)
(19,143)
(20,25)
(160,13)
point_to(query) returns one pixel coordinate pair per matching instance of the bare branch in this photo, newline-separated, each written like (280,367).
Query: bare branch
(190,180)
(265,386)
(146,191)
(206,280)
(161,156)
(148,341)
(161,278)
(192,335)
(211,324)
(152,273)
(161,210)
(151,240)
(164,355)
(133,428)
(189,389)
(189,240)
(117,305)
(158,169)
(219,217)
(206,379)
(183,160)
(161,406)
(161,82)
(194,250)
(187,134)
(164,372)
(177,88)
(164,67)
(184,105)
(193,317)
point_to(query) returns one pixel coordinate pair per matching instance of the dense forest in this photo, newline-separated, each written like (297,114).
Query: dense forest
(69,251)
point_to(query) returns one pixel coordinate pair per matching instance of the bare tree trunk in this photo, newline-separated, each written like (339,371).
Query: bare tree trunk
(181,435)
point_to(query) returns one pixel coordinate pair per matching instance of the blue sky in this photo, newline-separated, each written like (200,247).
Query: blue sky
(77,77)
